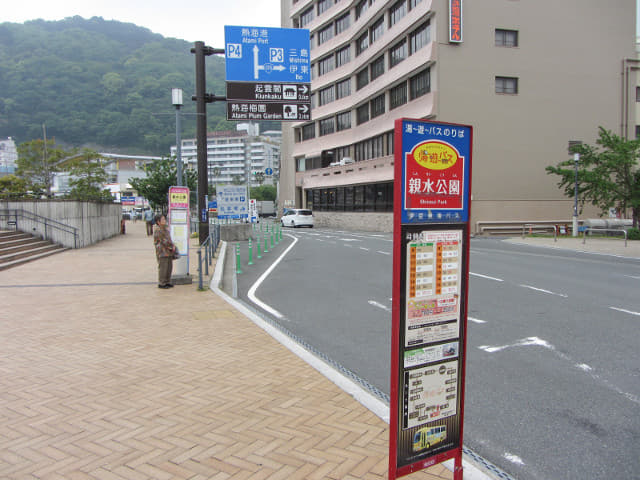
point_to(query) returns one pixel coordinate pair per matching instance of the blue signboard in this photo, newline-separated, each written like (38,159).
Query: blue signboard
(232,201)
(436,167)
(261,54)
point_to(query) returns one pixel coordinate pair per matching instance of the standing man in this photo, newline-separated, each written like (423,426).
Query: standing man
(148,217)
(165,249)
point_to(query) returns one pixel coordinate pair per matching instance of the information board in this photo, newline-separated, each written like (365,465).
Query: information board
(179,227)
(430,278)
(232,201)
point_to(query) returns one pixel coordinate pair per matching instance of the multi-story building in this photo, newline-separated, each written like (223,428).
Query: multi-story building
(8,157)
(527,76)
(237,156)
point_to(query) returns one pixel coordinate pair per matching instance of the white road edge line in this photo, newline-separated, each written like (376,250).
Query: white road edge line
(267,272)
(625,311)
(476,320)
(545,291)
(383,253)
(486,276)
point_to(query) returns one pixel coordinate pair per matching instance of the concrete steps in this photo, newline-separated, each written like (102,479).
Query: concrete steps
(17,248)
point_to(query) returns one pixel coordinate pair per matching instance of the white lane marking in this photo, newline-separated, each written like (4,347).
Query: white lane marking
(349,240)
(365,249)
(379,305)
(545,291)
(486,276)
(581,366)
(625,311)
(476,320)
(254,287)
(520,343)
(513,458)
(383,253)
(633,276)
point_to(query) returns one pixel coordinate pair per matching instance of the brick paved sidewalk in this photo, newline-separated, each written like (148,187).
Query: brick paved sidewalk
(105,376)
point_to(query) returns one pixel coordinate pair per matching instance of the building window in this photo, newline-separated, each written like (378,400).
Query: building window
(414,3)
(343,121)
(325,65)
(326,95)
(389,138)
(376,30)
(306,17)
(362,43)
(398,96)
(327,126)
(377,106)
(420,37)
(309,131)
(637,94)
(362,114)
(506,38)
(323,6)
(362,78)
(343,23)
(361,7)
(325,34)
(343,56)
(507,85)
(397,53)
(343,88)
(420,84)
(637,131)
(397,11)
(377,68)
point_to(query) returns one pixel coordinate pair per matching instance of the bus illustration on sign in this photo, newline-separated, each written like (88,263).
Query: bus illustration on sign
(428,437)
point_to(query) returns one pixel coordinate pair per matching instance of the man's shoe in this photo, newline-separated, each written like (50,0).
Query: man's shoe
(164,286)
(168,285)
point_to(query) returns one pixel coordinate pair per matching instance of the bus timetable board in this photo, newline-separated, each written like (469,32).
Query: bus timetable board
(430,278)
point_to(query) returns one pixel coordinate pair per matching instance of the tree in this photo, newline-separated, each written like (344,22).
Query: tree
(608,174)
(38,163)
(12,187)
(88,177)
(161,175)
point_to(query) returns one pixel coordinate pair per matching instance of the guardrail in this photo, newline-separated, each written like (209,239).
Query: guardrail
(11,216)
(538,227)
(516,226)
(595,229)
(210,245)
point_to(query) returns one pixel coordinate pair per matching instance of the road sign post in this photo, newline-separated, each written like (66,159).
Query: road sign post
(430,280)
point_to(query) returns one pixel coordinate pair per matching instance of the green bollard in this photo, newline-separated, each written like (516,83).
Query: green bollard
(266,244)
(250,254)
(272,238)
(258,245)
(238,269)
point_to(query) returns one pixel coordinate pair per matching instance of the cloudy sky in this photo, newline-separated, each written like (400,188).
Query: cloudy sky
(189,20)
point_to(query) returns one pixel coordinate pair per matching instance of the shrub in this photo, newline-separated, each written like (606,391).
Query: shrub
(633,234)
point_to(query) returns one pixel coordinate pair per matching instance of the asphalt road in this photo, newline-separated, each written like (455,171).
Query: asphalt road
(553,370)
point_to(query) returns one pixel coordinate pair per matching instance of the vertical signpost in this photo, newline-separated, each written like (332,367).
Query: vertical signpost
(430,280)
(179,229)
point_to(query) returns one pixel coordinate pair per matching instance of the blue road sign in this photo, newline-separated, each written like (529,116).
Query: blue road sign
(268,171)
(261,54)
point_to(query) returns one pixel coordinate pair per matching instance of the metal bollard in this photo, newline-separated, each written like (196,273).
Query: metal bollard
(238,269)
(206,260)
(199,269)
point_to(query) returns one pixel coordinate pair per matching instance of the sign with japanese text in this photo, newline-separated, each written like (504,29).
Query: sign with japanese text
(232,201)
(455,21)
(430,278)
(261,54)
(179,227)
(435,171)
(178,197)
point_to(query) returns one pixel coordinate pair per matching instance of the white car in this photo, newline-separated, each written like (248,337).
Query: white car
(296,217)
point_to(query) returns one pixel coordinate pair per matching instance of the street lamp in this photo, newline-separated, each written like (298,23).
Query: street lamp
(176,100)
(576,160)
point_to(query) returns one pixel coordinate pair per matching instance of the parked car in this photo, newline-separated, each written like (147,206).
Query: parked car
(297,217)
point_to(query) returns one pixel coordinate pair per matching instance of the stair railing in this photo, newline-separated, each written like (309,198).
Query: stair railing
(12,217)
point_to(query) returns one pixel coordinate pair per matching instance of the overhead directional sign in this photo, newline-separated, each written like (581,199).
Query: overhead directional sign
(268,73)
(267,54)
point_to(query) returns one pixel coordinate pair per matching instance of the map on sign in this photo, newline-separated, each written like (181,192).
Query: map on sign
(267,54)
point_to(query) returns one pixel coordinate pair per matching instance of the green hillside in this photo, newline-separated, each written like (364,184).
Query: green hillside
(98,83)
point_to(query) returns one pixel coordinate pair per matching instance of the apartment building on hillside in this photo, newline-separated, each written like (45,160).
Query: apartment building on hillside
(527,76)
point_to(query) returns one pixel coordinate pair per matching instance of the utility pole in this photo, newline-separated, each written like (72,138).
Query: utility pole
(202,98)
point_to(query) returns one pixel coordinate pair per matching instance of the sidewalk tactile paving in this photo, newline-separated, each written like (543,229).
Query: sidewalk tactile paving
(105,376)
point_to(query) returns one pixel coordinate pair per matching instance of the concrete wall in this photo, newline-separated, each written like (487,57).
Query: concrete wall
(94,221)
(364,221)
